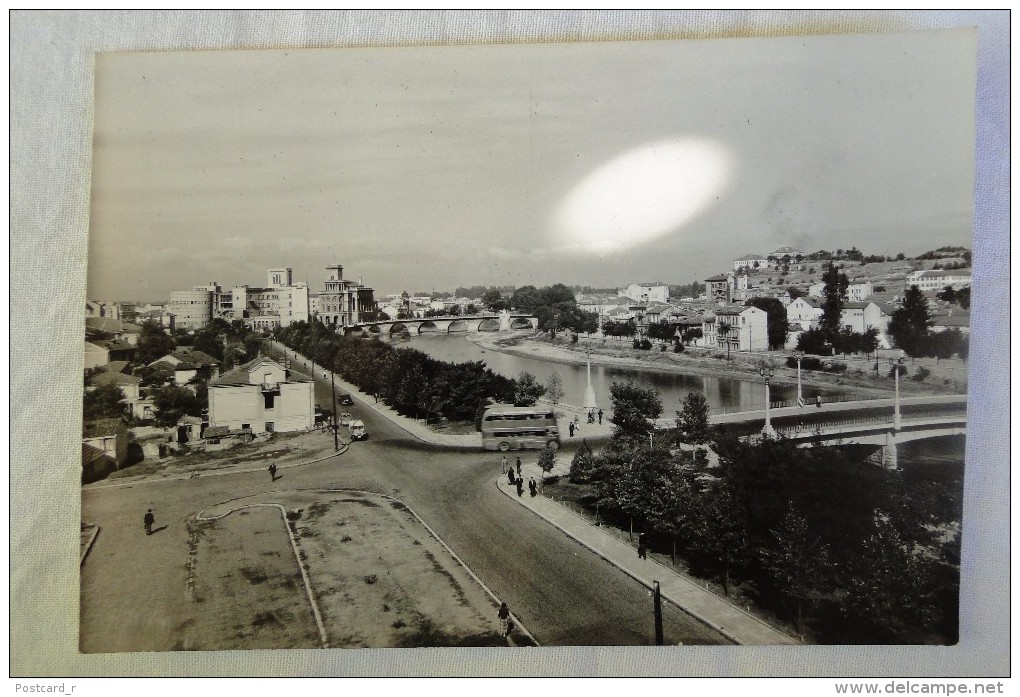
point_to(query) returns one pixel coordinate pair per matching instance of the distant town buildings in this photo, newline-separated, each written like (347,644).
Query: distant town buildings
(646,292)
(938,280)
(750,261)
(280,303)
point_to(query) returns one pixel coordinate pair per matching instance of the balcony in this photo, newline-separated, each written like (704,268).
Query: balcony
(269,386)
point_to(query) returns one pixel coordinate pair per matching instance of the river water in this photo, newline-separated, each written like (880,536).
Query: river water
(942,455)
(721,393)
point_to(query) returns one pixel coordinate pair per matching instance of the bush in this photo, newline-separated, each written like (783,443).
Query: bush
(678,347)
(644,345)
(662,348)
(573,338)
(806,363)
(921,374)
(835,367)
(635,344)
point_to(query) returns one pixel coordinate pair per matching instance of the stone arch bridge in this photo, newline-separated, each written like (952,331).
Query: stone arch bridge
(444,325)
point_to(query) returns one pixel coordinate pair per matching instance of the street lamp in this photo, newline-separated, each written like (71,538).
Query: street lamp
(767,373)
(800,396)
(896,363)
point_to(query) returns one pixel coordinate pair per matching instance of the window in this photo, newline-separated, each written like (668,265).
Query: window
(270,399)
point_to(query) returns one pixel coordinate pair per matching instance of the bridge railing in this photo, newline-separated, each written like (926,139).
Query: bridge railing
(841,425)
(760,406)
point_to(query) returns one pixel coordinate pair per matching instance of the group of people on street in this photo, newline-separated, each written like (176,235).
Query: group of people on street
(517,479)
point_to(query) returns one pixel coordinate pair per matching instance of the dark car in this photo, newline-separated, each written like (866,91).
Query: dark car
(345,399)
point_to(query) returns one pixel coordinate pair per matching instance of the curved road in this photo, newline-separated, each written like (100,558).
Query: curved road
(563,593)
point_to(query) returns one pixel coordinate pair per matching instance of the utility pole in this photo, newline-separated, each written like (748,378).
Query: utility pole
(336,428)
(657,609)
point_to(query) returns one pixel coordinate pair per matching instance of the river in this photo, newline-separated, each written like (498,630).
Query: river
(721,393)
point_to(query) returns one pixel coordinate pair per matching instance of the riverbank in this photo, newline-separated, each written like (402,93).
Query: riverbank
(946,377)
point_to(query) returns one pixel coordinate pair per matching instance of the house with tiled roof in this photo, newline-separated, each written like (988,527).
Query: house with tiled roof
(805,312)
(862,316)
(778,255)
(190,364)
(137,405)
(262,395)
(107,436)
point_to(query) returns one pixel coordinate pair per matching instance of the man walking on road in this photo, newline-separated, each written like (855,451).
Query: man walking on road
(504,619)
(518,465)
(272,471)
(505,465)
(149,520)
(600,417)
(642,547)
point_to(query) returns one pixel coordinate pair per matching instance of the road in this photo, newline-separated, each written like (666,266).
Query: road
(563,593)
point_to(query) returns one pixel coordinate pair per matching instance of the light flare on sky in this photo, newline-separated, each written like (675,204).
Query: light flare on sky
(643,194)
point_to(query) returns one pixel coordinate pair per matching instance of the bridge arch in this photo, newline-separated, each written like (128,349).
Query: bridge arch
(374,329)
(458,326)
(399,328)
(520,323)
(489,324)
(428,328)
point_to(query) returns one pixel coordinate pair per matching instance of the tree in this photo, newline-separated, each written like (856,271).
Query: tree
(777,320)
(692,420)
(834,296)
(797,562)
(104,402)
(554,388)
(527,390)
(493,300)
(172,403)
(546,460)
(153,343)
(635,409)
(910,326)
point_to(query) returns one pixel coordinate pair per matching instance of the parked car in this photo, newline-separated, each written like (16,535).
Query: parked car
(345,399)
(358,431)
(345,418)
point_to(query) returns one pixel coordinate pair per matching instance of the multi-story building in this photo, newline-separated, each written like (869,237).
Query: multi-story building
(191,309)
(938,280)
(719,289)
(862,316)
(750,262)
(736,328)
(343,302)
(784,255)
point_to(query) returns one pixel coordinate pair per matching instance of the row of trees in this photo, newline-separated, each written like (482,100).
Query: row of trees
(409,380)
(805,531)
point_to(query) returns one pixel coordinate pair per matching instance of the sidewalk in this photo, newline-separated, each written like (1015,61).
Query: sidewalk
(734,623)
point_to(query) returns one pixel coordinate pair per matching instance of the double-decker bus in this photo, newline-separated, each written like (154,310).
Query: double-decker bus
(519,428)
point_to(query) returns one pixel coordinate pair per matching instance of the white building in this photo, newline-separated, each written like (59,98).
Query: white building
(343,302)
(191,309)
(264,396)
(938,280)
(750,262)
(805,312)
(646,293)
(855,292)
(784,253)
(862,316)
(736,329)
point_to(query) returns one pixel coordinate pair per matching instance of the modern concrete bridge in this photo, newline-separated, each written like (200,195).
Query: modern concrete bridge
(882,422)
(447,325)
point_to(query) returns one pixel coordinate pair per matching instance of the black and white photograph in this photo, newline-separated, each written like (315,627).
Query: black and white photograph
(644,343)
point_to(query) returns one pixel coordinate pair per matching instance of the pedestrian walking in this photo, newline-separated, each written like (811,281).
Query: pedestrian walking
(504,619)
(149,520)
(505,465)
(520,487)
(571,429)
(818,401)
(533,487)
(518,466)
(600,417)
(272,471)
(510,476)
(642,547)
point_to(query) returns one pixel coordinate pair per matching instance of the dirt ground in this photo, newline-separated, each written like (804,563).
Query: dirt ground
(379,579)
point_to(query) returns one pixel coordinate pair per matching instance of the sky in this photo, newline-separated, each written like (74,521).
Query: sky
(601,164)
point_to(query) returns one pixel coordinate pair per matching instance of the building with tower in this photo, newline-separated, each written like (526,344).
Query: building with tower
(343,303)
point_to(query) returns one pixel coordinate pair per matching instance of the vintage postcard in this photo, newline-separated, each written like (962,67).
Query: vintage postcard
(593,344)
